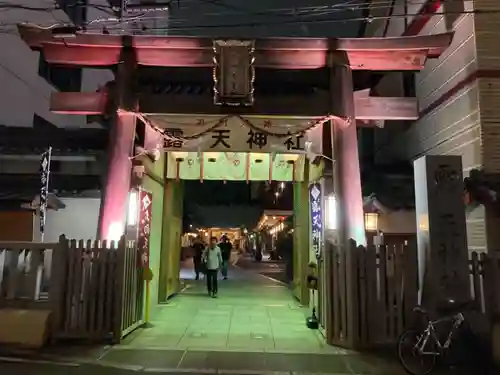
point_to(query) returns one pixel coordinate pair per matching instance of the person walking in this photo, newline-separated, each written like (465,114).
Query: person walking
(212,257)
(198,248)
(225,247)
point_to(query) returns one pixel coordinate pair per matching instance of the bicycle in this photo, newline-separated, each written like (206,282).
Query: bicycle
(425,344)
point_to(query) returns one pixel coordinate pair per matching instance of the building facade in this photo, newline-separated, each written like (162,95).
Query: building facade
(457,93)
(25,77)
(27,126)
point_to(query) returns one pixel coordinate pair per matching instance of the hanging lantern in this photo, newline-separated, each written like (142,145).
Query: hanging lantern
(247,167)
(371,221)
(178,162)
(202,166)
(294,168)
(271,164)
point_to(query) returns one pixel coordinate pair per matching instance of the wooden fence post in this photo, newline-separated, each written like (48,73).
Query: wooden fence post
(410,280)
(490,284)
(352,296)
(336,295)
(373,308)
(57,283)
(119,286)
(329,293)
(362,293)
(382,292)
(475,272)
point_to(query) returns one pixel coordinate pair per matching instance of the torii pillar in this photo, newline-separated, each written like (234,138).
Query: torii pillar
(347,182)
(115,192)
(347,172)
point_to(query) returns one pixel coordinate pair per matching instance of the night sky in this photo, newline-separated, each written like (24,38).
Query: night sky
(269,18)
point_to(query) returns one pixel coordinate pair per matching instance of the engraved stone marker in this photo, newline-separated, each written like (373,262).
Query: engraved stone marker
(441,230)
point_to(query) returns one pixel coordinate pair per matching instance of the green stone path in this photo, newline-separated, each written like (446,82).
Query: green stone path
(251,312)
(254,326)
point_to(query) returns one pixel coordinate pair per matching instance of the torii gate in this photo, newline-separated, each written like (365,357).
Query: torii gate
(339,56)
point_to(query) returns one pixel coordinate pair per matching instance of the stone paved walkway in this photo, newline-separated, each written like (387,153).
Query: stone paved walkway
(254,327)
(252,313)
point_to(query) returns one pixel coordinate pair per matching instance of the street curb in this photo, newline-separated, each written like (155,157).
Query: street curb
(76,362)
(38,361)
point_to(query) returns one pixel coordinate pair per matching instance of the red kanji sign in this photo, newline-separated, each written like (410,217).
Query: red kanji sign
(146,206)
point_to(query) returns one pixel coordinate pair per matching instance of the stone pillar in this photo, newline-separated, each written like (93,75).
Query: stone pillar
(116,187)
(441,230)
(347,174)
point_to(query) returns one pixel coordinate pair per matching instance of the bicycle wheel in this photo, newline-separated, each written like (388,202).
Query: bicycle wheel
(410,358)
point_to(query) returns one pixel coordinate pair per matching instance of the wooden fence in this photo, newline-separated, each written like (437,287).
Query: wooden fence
(374,290)
(24,274)
(94,289)
(484,272)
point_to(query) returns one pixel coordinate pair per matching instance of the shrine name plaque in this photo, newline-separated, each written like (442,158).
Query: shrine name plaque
(234,72)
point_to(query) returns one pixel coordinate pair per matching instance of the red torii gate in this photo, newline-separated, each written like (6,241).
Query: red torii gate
(341,56)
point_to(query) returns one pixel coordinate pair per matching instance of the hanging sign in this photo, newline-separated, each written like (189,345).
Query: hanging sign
(239,134)
(145,213)
(44,187)
(315,198)
(234,73)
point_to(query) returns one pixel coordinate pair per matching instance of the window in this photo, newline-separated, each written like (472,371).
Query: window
(75,9)
(64,78)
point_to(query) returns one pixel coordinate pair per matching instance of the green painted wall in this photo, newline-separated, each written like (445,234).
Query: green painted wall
(171,239)
(153,182)
(301,237)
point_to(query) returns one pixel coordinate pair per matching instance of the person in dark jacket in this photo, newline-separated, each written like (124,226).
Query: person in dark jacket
(198,248)
(225,248)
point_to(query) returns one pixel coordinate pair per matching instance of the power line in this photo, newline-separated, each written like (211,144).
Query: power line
(279,11)
(13,6)
(350,6)
(317,21)
(286,18)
